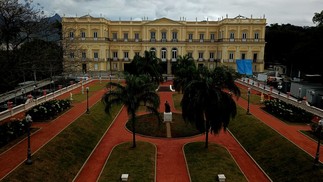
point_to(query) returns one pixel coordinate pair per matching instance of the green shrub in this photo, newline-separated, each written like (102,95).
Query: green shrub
(287,112)
(12,130)
(48,109)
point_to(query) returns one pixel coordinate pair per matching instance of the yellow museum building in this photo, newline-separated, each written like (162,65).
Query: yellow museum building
(99,45)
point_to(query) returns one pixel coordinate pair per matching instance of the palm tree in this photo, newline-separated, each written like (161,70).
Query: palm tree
(137,91)
(184,71)
(207,103)
(149,65)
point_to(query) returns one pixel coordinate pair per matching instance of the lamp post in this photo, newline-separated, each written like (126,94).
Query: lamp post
(279,88)
(29,121)
(248,107)
(318,132)
(87,100)
(23,94)
(34,91)
(110,82)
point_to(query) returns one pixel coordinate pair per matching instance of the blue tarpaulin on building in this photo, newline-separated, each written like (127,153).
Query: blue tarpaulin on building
(244,66)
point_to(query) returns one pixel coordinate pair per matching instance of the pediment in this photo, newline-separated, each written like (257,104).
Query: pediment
(163,21)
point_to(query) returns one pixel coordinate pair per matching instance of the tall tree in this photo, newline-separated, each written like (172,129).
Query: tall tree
(185,71)
(318,18)
(40,58)
(207,102)
(137,91)
(148,65)
(300,45)
(20,21)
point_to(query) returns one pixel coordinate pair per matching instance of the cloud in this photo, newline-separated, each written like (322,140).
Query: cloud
(297,12)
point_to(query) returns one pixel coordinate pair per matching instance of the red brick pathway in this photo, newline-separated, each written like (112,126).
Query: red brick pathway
(16,155)
(171,165)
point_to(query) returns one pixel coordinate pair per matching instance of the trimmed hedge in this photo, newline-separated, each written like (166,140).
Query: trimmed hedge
(12,130)
(17,127)
(48,110)
(287,112)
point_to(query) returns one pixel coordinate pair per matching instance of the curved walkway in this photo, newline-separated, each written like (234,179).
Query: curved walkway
(171,164)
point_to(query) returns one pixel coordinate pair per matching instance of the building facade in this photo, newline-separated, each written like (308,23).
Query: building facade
(100,46)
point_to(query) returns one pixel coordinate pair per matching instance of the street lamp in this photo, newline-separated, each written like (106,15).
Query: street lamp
(279,88)
(110,82)
(23,94)
(248,107)
(28,121)
(318,132)
(34,90)
(87,100)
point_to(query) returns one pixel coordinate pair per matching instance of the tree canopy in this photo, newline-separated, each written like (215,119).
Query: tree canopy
(147,65)
(138,91)
(207,102)
(299,48)
(22,23)
(318,18)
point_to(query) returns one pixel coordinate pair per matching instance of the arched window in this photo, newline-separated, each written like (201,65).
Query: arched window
(163,54)
(153,51)
(174,54)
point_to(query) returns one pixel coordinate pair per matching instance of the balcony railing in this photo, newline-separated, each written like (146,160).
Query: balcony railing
(105,39)
(229,60)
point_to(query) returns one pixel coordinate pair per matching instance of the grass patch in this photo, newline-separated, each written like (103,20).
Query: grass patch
(254,98)
(177,97)
(148,125)
(311,135)
(280,159)
(79,97)
(17,140)
(62,157)
(204,164)
(138,162)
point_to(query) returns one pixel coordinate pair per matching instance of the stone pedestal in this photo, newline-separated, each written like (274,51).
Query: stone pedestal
(167,120)
(221,177)
(168,117)
(124,177)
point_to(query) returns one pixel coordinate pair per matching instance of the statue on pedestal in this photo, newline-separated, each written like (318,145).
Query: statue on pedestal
(167,107)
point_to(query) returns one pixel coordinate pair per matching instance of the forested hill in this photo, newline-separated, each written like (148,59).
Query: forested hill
(299,48)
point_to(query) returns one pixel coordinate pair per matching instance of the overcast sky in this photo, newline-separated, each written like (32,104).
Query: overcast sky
(295,12)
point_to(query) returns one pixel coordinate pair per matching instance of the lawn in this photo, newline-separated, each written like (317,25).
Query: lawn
(278,157)
(79,97)
(148,125)
(138,162)
(61,158)
(204,164)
